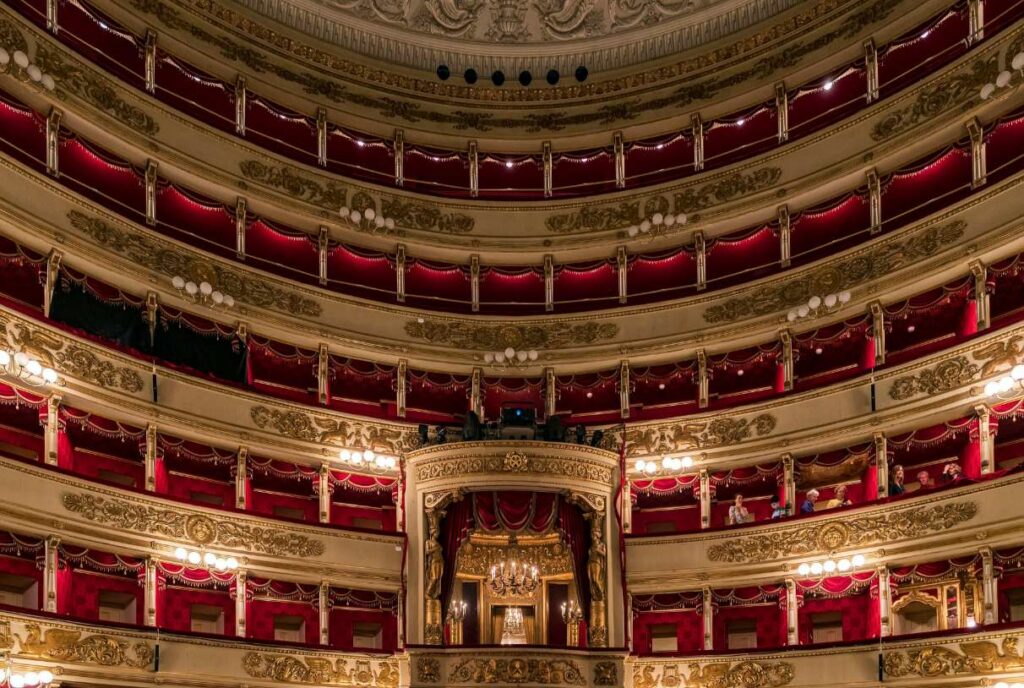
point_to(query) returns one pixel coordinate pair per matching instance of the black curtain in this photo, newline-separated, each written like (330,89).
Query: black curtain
(114,320)
(213,353)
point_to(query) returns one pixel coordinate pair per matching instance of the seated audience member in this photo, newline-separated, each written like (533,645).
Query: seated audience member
(950,473)
(808,506)
(739,513)
(896,481)
(924,479)
(839,500)
(778,510)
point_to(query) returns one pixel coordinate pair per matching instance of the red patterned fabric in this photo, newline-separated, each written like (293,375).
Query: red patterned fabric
(583,172)
(497,393)
(85,588)
(588,397)
(742,256)
(689,626)
(437,286)
(511,290)
(1004,143)
(833,353)
(663,391)
(282,250)
(361,386)
(924,186)
(24,270)
(661,276)
(517,512)
(200,221)
(437,172)
(829,99)
(362,273)
(743,376)
(436,397)
(25,568)
(262,613)
(765,617)
(282,370)
(344,620)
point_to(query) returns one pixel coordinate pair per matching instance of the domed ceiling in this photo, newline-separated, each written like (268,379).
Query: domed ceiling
(514,35)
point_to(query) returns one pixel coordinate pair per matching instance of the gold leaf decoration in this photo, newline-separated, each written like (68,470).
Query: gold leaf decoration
(1000,355)
(167,261)
(514,463)
(546,672)
(428,670)
(598,218)
(329,196)
(195,528)
(606,674)
(835,534)
(483,337)
(843,274)
(942,377)
(957,88)
(746,674)
(62,645)
(88,367)
(979,657)
(684,435)
(345,432)
(726,189)
(319,670)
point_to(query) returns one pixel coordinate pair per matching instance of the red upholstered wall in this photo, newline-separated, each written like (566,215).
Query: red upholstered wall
(342,621)
(766,616)
(192,91)
(85,588)
(176,604)
(262,612)
(689,629)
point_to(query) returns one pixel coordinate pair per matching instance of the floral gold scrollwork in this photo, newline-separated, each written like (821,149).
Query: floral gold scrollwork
(329,195)
(943,377)
(980,657)
(573,468)
(76,80)
(483,337)
(606,674)
(319,671)
(847,273)
(551,558)
(746,674)
(600,218)
(428,670)
(547,672)
(74,646)
(727,189)
(426,218)
(167,261)
(194,528)
(673,437)
(957,88)
(350,433)
(837,534)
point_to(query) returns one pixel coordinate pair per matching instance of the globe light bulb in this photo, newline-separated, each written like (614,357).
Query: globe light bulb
(209,559)
(34,367)
(17,681)
(991,389)
(521,356)
(844,296)
(205,288)
(814,302)
(792,315)
(687,461)
(641,464)
(1018,61)
(45,677)
(533,355)
(858,560)
(5,358)
(831,300)
(345,455)
(229,300)
(355,216)
(816,568)
(180,554)
(389,223)
(49,375)
(221,564)
(844,564)
(21,358)
(987,90)
(218,298)
(829,566)
(803,569)
(370,213)
(632,230)
(1003,79)
(803,310)
(194,558)
(509,352)
(657,218)
(344,211)
(191,288)
(488,357)
(499,357)
(670,220)
(20,59)
(232,563)
(34,73)
(369,455)
(1018,372)
(1005,384)
(645,226)
(5,58)
(178,282)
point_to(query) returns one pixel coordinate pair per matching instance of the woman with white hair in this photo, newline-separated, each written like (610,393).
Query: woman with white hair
(808,506)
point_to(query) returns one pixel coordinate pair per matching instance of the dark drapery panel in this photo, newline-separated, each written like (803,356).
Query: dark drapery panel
(208,351)
(514,512)
(575,532)
(114,319)
(454,530)
(558,594)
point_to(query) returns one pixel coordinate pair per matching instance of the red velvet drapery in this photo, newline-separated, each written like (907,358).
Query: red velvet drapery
(514,512)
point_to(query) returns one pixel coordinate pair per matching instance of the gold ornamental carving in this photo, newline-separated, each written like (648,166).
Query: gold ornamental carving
(514,462)
(843,274)
(428,670)
(980,657)
(345,432)
(606,216)
(319,671)
(726,189)
(193,528)
(836,534)
(551,559)
(485,337)
(942,377)
(64,645)
(606,674)
(1000,355)
(170,262)
(746,674)
(546,672)
(682,436)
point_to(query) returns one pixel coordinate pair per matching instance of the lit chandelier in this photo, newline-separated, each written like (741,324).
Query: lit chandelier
(512,579)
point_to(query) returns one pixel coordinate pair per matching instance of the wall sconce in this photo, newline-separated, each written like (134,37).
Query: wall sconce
(367,457)
(831,565)
(209,559)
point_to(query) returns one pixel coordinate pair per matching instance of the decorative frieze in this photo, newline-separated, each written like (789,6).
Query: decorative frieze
(345,432)
(969,658)
(538,671)
(321,670)
(477,336)
(748,674)
(687,435)
(73,646)
(943,377)
(570,465)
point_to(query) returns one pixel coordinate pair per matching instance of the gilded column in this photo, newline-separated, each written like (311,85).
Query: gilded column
(875,201)
(51,430)
(476,401)
(51,562)
(976,21)
(982,298)
(620,160)
(622,272)
(400,260)
(151,179)
(241,94)
(788,483)
(152,450)
(792,615)
(241,215)
(624,389)
(51,16)
(323,372)
(241,601)
(242,479)
(986,440)
(786,345)
(324,492)
(705,498)
(150,591)
(474,170)
(399,144)
(321,136)
(697,129)
(53,142)
(708,617)
(882,464)
(474,281)
(550,392)
(549,168)
(324,608)
(401,386)
(53,262)
(878,331)
(979,162)
(701,251)
(322,244)
(871,69)
(884,601)
(434,564)
(149,61)
(782,111)
(785,233)
(702,379)
(597,573)
(549,283)
(989,590)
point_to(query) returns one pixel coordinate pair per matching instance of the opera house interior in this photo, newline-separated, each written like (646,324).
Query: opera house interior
(512,343)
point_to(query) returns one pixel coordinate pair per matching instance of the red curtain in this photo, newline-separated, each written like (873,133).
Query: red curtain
(575,532)
(515,512)
(455,529)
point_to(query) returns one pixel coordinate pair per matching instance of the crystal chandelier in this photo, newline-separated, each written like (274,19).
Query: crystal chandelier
(513,579)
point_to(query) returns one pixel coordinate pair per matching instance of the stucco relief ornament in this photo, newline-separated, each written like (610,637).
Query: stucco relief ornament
(546,672)
(979,657)
(943,377)
(74,646)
